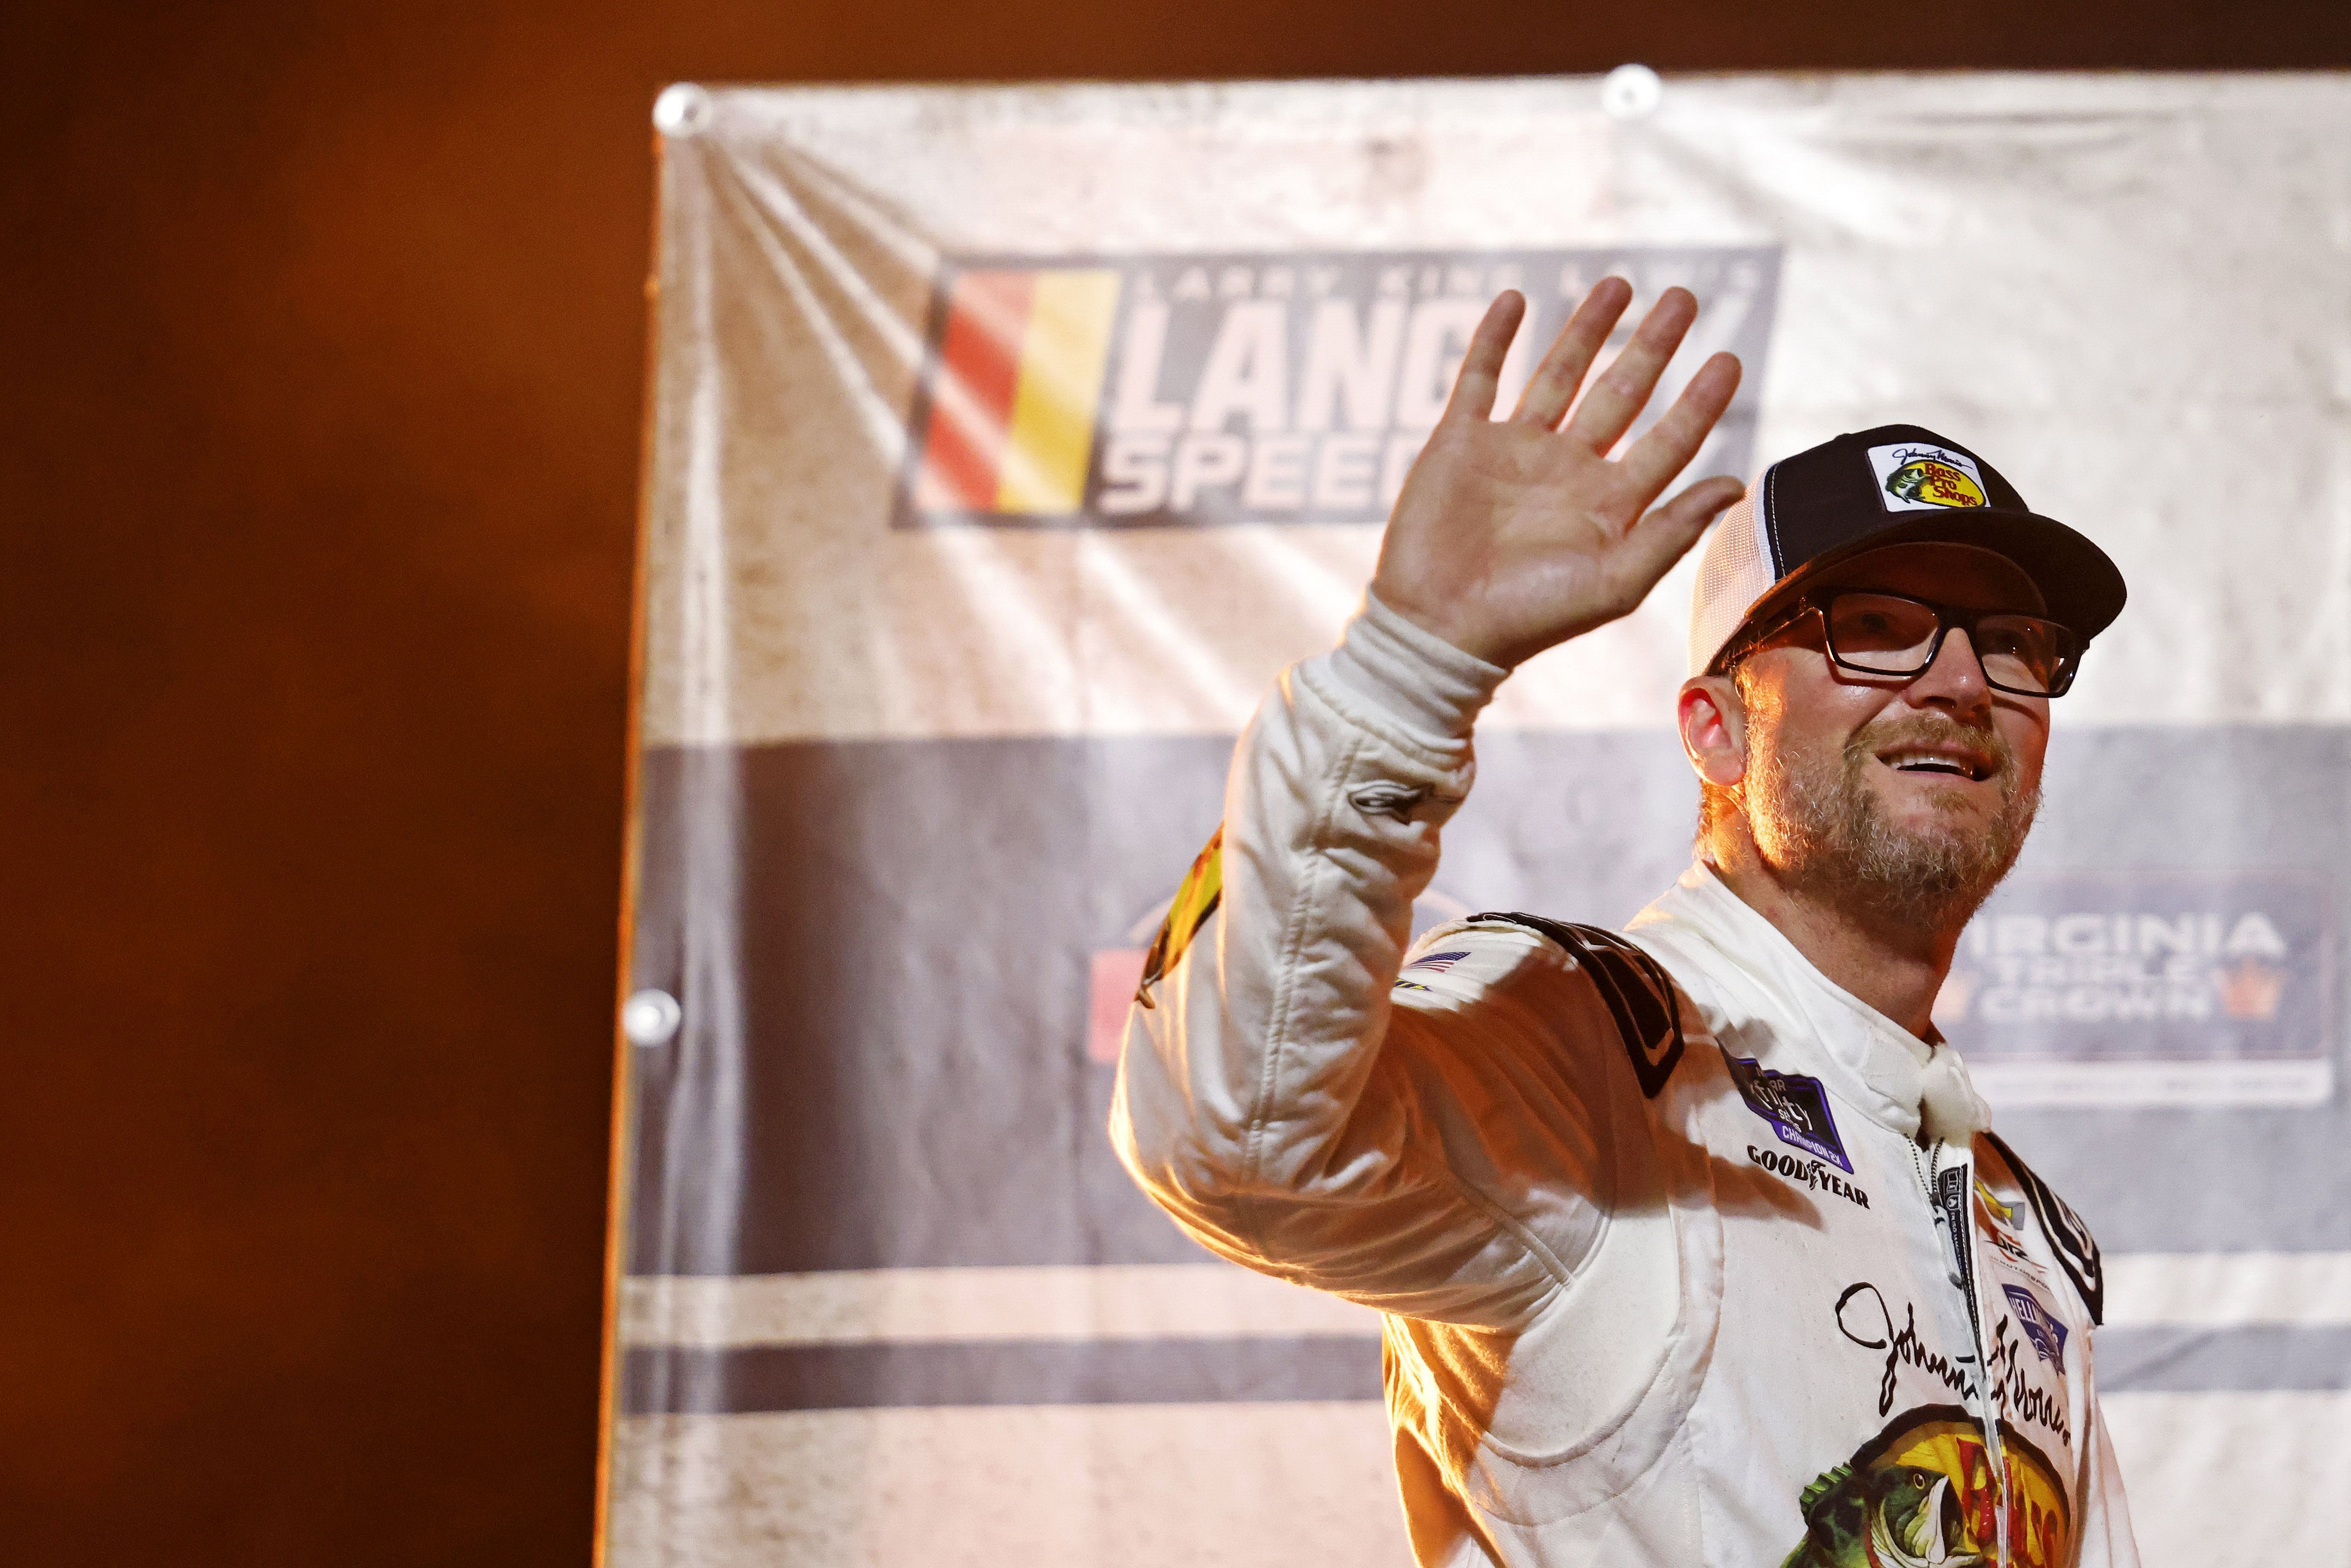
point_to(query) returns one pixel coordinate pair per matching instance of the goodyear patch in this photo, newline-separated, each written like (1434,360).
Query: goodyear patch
(1914,477)
(1195,900)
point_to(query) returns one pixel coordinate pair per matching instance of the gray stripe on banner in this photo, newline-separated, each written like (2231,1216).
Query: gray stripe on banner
(2262,1359)
(656,1380)
(912,926)
(691,1380)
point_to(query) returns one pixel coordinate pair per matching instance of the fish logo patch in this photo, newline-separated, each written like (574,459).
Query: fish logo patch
(1912,478)
(1925,1492)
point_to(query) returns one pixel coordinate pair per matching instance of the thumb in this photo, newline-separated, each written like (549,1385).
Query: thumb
(1666,535)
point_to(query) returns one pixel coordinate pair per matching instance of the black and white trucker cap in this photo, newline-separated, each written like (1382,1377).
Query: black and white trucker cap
(1897,484)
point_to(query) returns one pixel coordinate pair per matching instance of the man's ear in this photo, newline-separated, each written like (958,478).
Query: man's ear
(1714,729)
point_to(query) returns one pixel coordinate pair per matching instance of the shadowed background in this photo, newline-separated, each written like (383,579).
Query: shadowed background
(319,451)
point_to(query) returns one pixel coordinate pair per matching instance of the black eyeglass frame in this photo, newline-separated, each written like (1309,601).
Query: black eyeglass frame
(1817,602)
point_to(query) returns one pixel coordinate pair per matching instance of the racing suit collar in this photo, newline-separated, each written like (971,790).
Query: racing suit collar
(1875,1063)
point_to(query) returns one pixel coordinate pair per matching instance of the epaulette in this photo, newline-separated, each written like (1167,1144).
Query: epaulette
(2076,1249)
(1638,991)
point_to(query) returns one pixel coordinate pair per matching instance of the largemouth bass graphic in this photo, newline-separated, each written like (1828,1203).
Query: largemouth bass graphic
(1922,1495)
(1904,1517)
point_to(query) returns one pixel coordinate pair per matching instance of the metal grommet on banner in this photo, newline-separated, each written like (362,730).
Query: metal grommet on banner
(651,1016)
(682,110)
(1630,92)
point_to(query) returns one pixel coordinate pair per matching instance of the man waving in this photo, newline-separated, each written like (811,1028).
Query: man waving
(1695,1245)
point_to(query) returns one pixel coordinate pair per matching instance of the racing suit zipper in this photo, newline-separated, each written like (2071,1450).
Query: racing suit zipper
(1947,1193)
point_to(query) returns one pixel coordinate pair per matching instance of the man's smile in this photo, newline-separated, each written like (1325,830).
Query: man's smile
(1946,758)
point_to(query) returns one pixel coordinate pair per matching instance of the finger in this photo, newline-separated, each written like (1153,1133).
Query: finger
(1666,535)
(1667,448)
(1616,398)
(1481,367)
(1553,385)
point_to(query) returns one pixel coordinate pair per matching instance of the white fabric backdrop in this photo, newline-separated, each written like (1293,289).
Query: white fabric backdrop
(936,682)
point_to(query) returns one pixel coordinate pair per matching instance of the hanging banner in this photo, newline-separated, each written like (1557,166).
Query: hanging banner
(1006,442)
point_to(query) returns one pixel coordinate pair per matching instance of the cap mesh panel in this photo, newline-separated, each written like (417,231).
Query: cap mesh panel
(1733,571)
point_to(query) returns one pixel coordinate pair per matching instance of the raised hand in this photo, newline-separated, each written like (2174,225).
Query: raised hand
(1514,535)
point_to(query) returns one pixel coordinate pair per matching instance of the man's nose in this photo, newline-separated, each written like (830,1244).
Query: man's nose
(1955,681)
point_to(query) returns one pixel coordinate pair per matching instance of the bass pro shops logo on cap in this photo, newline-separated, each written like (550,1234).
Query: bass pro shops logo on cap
(1915,478)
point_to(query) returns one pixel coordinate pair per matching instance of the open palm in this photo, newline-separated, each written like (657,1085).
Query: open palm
(1514,535)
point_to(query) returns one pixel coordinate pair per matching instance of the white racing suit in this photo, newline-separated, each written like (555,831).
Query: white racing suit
(1671,1275)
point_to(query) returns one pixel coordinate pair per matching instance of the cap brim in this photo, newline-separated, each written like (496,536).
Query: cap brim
(2080,584)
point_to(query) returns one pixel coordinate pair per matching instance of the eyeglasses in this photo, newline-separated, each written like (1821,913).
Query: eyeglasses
(1891,634)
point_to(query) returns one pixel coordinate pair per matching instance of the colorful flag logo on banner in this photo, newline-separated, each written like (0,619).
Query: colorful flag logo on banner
(1017,376)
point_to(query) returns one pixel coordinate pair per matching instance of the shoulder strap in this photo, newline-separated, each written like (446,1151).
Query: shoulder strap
(1638,991)
(2076,1249)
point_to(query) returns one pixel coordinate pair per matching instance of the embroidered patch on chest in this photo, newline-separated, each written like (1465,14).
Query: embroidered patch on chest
(1796,1106)
(2039,1323)
(1999,1225)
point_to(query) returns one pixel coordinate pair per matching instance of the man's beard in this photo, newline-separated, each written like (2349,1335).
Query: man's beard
(1819,821)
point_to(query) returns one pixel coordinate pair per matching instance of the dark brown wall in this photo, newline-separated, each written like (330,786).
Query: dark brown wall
(318,438)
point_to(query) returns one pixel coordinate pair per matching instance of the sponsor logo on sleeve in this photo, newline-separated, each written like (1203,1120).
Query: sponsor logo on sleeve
(1289,387)
(1428,964)
(1385,799)
(1796,1106)
(1195,900)
(1915,478)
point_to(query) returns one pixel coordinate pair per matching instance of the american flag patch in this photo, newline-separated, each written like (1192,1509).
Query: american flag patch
(1437,963)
